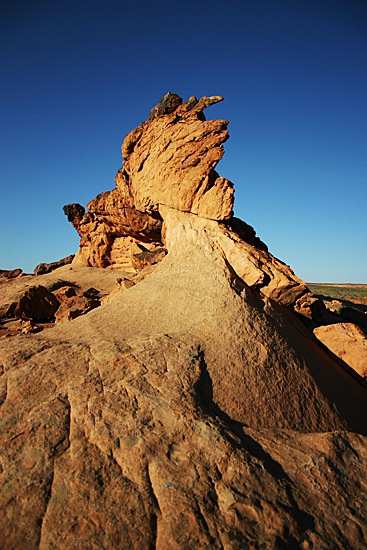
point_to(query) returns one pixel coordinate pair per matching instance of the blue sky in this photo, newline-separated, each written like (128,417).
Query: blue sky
(77,76)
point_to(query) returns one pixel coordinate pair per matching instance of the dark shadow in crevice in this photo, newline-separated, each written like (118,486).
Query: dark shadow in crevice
(204,394)
(243,441)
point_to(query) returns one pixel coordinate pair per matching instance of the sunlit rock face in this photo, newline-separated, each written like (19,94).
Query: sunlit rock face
(170,161)
(111,232)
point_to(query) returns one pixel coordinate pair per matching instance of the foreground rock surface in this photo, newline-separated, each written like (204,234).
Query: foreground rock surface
(192,409)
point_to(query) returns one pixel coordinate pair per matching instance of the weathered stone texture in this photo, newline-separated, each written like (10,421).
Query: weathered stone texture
(36,303)
(186,413)
(109,231)
(170,160)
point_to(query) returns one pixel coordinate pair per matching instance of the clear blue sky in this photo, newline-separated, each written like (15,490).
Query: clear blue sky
(77,76)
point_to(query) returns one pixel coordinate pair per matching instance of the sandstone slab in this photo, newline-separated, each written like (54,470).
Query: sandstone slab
(347,341)
(254,266)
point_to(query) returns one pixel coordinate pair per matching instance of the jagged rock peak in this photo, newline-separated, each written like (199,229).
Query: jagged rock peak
(167,104)
(170,160)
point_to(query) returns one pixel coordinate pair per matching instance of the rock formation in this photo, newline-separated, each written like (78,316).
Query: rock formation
(193,408)
(169,163)
(10,274)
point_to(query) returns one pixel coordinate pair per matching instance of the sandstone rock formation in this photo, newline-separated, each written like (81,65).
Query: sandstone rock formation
(169,163)
(110,231)
(193,409)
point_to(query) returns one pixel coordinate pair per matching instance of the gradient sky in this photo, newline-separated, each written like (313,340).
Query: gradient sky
(77,76)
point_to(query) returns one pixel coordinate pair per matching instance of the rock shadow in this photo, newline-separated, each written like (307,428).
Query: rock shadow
(243,441)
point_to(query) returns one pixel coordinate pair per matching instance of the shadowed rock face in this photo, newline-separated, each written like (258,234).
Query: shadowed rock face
(73,211)
(191,410)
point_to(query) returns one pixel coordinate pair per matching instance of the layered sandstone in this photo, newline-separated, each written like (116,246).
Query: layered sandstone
(111,231)
(169,163)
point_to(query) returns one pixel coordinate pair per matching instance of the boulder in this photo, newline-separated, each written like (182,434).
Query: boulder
(63,282)
(64,292)
(73,307)
(74,211)
(36,303)
(246,233)
(313,311)
(91,292)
